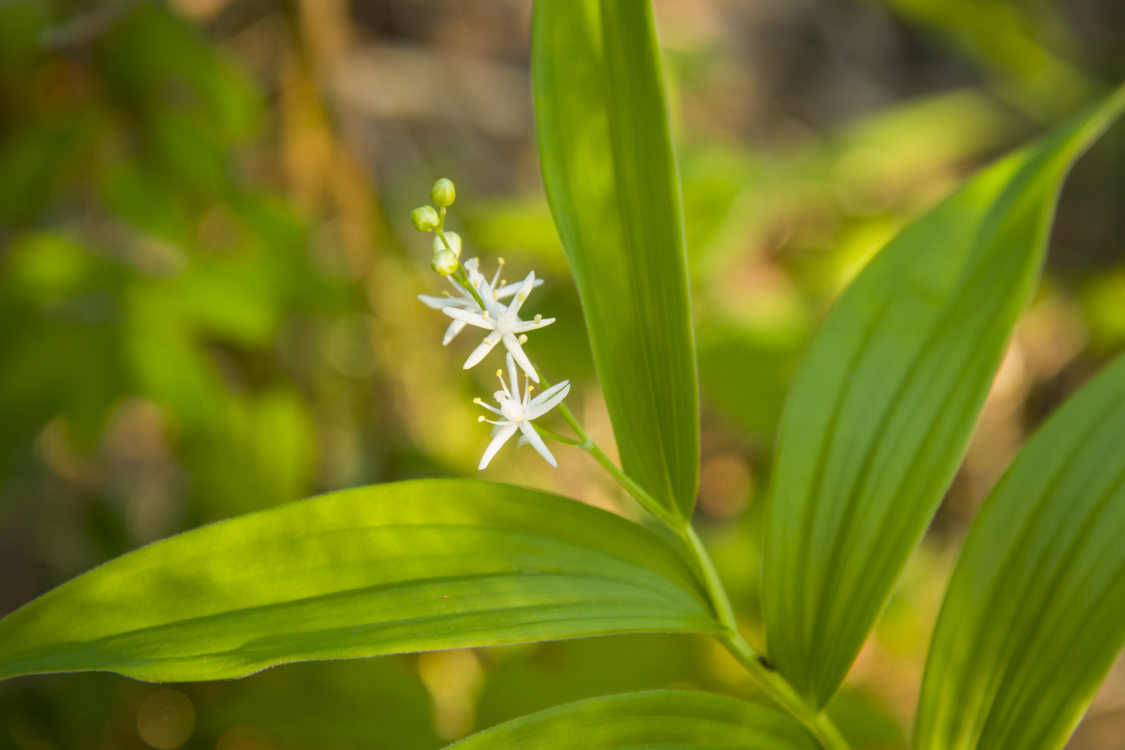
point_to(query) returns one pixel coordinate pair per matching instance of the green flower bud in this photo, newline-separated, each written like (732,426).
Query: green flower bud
(444,262)
(425,218)
(454,241)
(443,193)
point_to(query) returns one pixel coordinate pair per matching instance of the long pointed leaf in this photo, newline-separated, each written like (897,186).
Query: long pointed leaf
(1035,612)
(611,179)
(377,570)
(883,406)
(664,719)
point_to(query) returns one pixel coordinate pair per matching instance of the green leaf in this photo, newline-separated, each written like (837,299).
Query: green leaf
(611,180)
(658,720)
(1035,613)
(386,569)
(882,408)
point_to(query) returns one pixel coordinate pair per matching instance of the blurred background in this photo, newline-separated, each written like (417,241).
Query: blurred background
(208,281)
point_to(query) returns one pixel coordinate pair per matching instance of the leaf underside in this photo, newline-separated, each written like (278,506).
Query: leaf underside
(882,409)
(1035,612)
(393,568)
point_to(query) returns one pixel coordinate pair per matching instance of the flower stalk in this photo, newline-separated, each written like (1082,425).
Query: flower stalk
(479,304)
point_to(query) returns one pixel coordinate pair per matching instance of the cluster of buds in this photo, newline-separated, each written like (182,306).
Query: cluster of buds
(494,306)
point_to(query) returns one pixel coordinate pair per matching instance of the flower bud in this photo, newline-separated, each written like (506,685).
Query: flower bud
(443,193)
(444,262)
(454,241)
(425,218)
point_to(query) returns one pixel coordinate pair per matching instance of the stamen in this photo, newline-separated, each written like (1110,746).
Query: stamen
(523,338)
(484,314)
(500,261)
(478,402)
(538,318)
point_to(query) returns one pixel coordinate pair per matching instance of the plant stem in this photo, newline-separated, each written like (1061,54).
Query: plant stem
(766,678)
(776,686)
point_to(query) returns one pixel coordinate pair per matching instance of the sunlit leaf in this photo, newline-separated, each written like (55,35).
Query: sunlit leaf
(885,401)
(1035,612)
(376,570)
(612,183)
(660,719)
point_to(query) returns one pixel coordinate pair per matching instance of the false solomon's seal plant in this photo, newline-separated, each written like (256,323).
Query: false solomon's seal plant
(875,425)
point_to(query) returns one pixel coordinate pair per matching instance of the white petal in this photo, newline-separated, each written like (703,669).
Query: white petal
(537,443)
(482,351)
(472,318)
(454,329)
(521,295)
(512,377)
(530,325)
(547,400)
(509,289)
(501,437)
(514,348)
(491,408)
(435,303)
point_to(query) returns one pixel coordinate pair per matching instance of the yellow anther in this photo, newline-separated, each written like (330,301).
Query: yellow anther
(480,419)
(538,318)
(499,261)
(523,338)
(477,401)
(500,374)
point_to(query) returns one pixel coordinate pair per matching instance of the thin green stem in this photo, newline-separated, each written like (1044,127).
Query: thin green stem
(549,433)
(782,692)
(767,678)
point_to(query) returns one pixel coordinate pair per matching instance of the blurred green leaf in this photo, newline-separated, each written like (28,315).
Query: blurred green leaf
(611,179)
(1035,612)
(376,570)
(679,719)
(885,401)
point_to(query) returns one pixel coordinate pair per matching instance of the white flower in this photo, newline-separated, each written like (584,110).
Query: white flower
(516,413)
(502,322)
(463,300)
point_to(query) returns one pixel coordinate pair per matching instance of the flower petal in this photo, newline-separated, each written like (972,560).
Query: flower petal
(454,329)
(524,290)
(502,436)
(472,318)
(547,400)
(530,325)
(435,303)
(514,348)
(537,443)
(509,289)
(482,351)
(512,377)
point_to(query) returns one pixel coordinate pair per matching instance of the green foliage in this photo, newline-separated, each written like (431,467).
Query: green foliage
(1035,613)
(659,719)
(611,179)
(386,569)
(883,406)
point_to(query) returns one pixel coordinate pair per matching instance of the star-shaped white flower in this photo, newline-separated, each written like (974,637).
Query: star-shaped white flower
(462,300)
(516,412)
(501,321)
